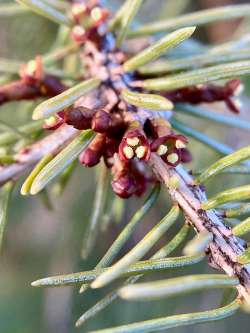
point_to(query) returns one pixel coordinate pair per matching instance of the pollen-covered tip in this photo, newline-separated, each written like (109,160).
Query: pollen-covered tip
(128,152)
(141,152)
(133,141)
(78,33)
(171,148)
(134,144)
(162,150)
(78,11)
(53,122)
(99,15)
(172,158)
(180,144)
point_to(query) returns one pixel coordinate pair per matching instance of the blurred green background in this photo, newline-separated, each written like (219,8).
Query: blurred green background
(40,243)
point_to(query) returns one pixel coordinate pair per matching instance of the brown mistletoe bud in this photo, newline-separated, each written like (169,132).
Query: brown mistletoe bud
(51,86)
(170,148)
(140,179)
(88,17)
(134,143)
(117,126)
(101,121)
(111,148)
(88,14)
(92,155)
(33,83)
(186,156)
(16,91)
(231,91)
(110,123)
(158,127)
(124,185)
(130,177)
(32,72)
(79,117)
(209,94)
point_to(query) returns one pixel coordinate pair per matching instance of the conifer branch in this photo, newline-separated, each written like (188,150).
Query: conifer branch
(121,114)
(25,159)
(225,248)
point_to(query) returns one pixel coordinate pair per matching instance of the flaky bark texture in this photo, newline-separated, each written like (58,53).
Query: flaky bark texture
(224,248)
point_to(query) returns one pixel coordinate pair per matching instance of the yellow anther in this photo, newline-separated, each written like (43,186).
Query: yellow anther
(128,152)
(78,30)
(162,150)
(50,121)
(180,144)
(96,14)
(78,9)
(140,151)
(133,141)
(172,158)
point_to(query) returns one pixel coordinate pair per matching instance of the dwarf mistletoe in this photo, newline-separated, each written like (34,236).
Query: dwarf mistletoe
(119,111)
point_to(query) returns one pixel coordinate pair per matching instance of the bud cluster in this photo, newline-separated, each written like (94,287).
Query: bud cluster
(125,145)
(33,83)
(170,146)
(126,131)
(118,112)
(88,17)
(209,94)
